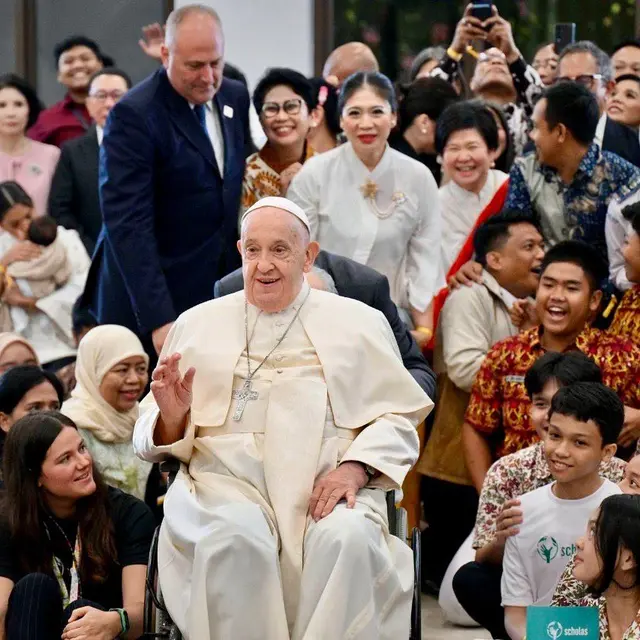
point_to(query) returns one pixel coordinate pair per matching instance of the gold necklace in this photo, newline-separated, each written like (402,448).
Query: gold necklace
(370,189)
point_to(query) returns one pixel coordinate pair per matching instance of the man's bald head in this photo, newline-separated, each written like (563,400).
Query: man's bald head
(193,52)
(276,253)
(349,59)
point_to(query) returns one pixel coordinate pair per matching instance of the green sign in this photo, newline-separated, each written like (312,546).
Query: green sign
(562,623)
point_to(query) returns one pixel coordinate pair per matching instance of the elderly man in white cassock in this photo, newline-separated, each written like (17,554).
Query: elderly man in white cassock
(292,414)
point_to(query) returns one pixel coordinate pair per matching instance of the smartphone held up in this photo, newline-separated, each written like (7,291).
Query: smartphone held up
(482,10)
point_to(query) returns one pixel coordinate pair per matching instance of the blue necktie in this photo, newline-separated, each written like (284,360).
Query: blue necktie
(201,113)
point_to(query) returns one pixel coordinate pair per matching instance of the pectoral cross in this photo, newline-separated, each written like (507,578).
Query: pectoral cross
(243,396)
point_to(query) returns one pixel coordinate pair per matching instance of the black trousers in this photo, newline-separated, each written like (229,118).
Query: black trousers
(450,511)
(477,587)
(35,609)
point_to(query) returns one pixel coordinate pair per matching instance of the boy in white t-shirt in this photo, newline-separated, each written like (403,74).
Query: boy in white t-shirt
(585,421)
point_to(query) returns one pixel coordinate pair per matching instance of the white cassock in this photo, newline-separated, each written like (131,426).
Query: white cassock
(239,558)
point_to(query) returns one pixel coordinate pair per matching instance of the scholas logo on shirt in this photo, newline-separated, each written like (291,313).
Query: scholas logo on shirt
(547,548)
(555,631)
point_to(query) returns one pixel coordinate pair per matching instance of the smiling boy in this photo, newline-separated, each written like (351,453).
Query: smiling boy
(585,421)
(568,298)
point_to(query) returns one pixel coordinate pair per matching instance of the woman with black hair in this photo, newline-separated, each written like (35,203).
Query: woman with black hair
(373,204)
(283,100)
(26,161)
(623,103)
(40,315)
(607,561)
(420,105)
(26,389)
(506,153)
(73,552)
(467,141)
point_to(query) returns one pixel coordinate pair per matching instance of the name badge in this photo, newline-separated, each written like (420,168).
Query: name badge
(227,111)
(560,623)
(514,379)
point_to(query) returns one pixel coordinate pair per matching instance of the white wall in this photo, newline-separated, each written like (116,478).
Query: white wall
(266,33)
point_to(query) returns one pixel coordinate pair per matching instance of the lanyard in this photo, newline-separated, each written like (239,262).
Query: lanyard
(58,567)
(79,116)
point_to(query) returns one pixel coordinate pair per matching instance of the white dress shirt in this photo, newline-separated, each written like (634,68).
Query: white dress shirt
(99,134)
(404,246)
(460,210)
(214,129)
(616,230)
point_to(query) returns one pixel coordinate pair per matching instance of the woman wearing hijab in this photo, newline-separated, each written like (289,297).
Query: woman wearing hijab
(14,351)
(111,375)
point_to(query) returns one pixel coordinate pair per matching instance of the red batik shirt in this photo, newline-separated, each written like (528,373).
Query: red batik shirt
(626,323)
(499,404)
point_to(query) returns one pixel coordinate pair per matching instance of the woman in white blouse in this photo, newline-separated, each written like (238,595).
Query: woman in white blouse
(467,141)
(373,204)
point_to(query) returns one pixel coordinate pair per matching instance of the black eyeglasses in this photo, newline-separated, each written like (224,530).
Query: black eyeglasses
(290,107)
(586,80)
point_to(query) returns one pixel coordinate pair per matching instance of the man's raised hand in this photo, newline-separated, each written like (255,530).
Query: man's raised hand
(172,391)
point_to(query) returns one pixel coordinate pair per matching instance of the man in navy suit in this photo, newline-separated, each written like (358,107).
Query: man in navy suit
(171,169)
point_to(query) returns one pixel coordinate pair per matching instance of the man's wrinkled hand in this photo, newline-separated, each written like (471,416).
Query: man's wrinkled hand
(343,482)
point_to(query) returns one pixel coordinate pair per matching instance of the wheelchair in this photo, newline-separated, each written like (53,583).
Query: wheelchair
(158,624)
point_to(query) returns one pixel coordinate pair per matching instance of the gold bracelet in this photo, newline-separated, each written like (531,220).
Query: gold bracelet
(425,331)
(454,55)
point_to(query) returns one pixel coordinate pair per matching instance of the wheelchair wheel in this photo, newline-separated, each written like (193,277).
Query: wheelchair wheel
(150,599)
(156,620)
(416,608)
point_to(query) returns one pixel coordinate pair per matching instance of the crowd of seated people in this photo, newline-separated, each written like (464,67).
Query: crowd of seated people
(495,223)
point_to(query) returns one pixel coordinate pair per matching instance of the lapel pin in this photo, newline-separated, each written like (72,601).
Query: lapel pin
(227,111)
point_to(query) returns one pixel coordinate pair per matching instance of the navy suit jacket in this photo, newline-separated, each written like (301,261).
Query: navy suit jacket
(622,141)
(170,218)
(359,282)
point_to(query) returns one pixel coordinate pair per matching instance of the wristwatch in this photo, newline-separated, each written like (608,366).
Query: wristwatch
(124,621)
(370,471)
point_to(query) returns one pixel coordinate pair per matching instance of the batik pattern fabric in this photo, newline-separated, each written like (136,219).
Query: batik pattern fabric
(576,211)
(262,181)
(572,593)
(513,476)
(626,322)
(499,404)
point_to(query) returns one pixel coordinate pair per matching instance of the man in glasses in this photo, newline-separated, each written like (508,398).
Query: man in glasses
(73,199)
(587,64)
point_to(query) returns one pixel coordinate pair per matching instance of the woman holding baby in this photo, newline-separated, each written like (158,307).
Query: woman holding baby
(43,269)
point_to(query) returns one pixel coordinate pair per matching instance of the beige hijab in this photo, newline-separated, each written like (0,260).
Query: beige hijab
(99,351)
(7,339)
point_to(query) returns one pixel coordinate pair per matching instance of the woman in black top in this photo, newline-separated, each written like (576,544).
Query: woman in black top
(73,552)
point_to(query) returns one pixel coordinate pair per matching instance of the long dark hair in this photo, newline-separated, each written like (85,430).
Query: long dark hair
(618,525)
(11,194)
(505,161)
(26,447)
